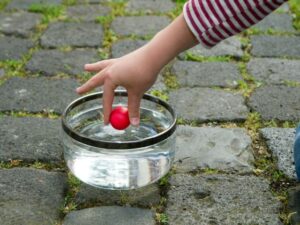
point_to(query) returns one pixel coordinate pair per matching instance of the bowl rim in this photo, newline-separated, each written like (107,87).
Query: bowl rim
(118,145)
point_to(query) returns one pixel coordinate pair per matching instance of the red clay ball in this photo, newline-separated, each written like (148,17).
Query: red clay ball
(119,118)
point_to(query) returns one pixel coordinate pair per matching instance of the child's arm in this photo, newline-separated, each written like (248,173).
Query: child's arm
(204,21)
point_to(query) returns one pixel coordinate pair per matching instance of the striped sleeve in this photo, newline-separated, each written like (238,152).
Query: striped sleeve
(212,21)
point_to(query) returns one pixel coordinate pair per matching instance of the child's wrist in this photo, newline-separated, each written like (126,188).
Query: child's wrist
(169,42)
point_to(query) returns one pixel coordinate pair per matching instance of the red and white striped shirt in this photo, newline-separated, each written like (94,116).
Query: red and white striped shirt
(212,21)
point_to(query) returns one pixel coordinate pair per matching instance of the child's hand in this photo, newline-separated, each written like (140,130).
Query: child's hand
(133,72)
(138,70)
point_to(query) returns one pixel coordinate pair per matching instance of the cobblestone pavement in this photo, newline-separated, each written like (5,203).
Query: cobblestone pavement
(238,105)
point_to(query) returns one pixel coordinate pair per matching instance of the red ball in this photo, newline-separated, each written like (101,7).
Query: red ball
(119,118)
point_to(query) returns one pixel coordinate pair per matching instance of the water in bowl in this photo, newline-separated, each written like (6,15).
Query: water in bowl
(121,168)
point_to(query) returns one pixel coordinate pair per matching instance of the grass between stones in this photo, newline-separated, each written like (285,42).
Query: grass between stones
(295,8)
(16,67)
(36,165)
(3,4)
(11,68)
(49,12)
(292,83)
(45,114)
(270,31)
(248,84)
(160,217)
(69,2)
(192,57)
(69,204)
(160,94)
(170,78)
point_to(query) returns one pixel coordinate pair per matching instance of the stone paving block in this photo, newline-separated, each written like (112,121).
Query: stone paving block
(2,73)
(281,142)
(274,71)
(205,104)
(221,199)
(277,22)
(145,197)
(206,74)
(37,94)
(159,84)
(216,148)
(21,4)
(19,23)
(83,34)
(285,8)
(276,102)
(275,46)
(293,204)
(31,196)
(30,139)
(150,5)
(71,62)
(229,47)
(124,47)
(87,12)
(110,215)
(92,1)
(13,48)
(139,25)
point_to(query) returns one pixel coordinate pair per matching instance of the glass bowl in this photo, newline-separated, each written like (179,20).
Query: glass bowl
(104,157)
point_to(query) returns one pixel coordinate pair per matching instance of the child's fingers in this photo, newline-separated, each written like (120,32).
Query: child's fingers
(108,98)
(92,67)
(95,81)
(133,108)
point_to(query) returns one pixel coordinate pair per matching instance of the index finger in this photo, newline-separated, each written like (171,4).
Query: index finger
(95,81)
